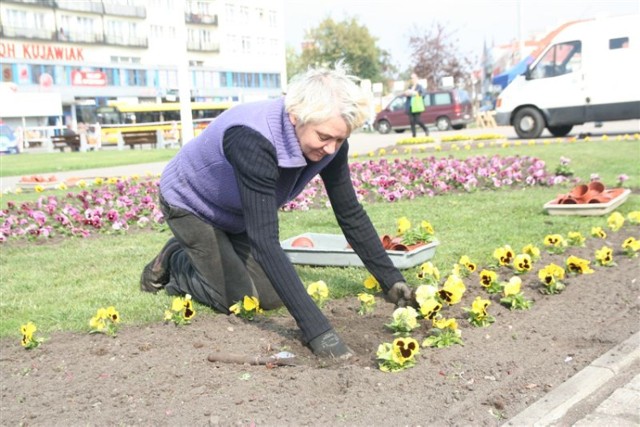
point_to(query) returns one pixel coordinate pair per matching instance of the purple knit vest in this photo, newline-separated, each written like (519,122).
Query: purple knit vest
(201,180)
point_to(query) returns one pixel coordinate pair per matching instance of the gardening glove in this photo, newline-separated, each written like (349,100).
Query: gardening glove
(400,294)
(330,344)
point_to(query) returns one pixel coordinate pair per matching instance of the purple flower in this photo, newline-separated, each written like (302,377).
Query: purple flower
(622,178)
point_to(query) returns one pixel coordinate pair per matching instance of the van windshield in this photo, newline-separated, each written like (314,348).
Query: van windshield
(560,59)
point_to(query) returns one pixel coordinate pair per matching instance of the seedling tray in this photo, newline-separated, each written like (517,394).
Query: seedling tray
(587,209)
(333,250)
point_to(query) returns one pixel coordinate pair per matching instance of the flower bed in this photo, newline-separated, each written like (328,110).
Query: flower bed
(393,180)
(114,205)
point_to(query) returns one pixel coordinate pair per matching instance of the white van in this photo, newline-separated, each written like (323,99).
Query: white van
(590,72)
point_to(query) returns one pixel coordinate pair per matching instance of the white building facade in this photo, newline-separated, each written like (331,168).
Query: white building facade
(94,51)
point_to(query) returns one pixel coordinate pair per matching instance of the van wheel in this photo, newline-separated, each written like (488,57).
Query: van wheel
(560,130)
(528,123)
(384,127)
(443,123)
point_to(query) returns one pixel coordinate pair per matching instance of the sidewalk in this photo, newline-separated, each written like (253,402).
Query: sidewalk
(605,393)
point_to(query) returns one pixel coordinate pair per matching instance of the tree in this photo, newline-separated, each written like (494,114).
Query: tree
(435,55)
(294,62)
(350,42)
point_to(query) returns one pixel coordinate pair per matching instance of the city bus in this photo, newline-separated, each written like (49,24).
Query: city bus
(129,117)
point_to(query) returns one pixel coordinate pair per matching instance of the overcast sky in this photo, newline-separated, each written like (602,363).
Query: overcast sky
(474,21)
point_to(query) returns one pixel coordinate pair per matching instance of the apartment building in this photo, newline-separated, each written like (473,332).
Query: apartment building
(93,51)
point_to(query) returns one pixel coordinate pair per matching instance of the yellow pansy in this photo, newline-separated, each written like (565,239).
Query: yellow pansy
(429,308)
(522,262)
(479,306)
(578,265)
(427,227)
(177,304)
(402,225)
(405,349)
(318,289)
(424,293)
(550,274)
(487,277)
(598,232)
(452,290)
(604,256)
(427,269)
(615,221)
(372,284)
(575,238)
(366,299)
(512,287)
(112,314)
(631,244)
(450,323)
(532,250)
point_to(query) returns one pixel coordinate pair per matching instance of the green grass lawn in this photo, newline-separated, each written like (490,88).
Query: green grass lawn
(44,163)
(59,285)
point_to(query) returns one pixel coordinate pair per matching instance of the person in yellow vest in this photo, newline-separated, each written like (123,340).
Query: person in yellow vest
(415,89)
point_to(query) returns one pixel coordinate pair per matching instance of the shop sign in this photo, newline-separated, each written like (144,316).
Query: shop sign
(41,51)
(88,78)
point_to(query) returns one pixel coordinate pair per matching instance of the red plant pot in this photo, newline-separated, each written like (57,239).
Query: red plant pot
(302,242)
(579,191)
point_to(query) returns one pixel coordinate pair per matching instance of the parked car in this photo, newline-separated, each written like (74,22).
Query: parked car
(8,140)
(444,109)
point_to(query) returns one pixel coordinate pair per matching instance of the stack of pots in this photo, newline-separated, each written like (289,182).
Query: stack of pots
(594,192)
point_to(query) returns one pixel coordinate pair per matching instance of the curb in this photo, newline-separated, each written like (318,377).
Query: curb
(555,405)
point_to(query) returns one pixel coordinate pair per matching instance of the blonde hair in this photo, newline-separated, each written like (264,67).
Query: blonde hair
(322,93)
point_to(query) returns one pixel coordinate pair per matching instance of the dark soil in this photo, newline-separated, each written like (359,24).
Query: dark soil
(159,374)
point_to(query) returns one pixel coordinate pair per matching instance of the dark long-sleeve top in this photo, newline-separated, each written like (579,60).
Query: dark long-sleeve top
(255,165)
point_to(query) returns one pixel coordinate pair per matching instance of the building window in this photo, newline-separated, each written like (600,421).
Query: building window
(246,44)
(230,11)
(7,72)
(244,14)
(273,18)
(619,43)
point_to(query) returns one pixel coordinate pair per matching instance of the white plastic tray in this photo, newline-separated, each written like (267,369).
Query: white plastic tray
(587,209)
(333,250)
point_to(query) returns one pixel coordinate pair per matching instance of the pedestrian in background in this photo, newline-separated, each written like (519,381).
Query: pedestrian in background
(415,107)
(222,192)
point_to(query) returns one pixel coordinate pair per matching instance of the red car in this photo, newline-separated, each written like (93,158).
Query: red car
(445,109)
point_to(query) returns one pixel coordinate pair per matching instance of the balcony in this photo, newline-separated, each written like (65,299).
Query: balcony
(198,18)
(91,6)
(125,10)
(120,40)
(45,3)
(202,46)
(79,37)
(27,33)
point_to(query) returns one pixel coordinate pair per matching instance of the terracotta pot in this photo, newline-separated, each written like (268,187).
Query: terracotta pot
(386,241)
(579,191)
(568,200)
(596,186)
(600,198)
(302,242)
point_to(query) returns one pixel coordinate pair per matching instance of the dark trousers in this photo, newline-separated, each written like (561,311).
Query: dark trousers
(414,119)
(216,268)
